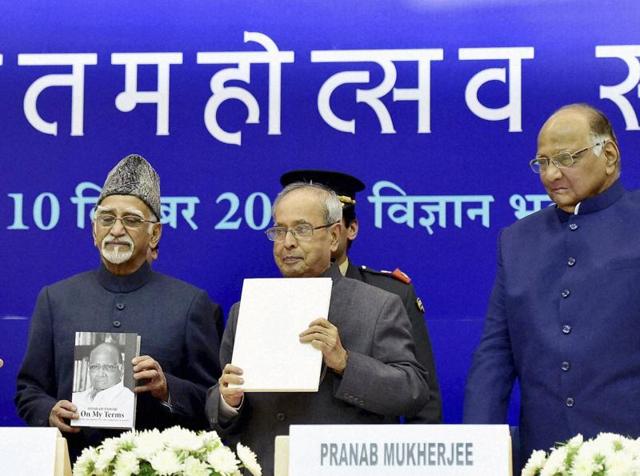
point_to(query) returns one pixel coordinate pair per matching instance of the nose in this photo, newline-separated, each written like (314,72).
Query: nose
(552,172)
(118,228)
(290,240)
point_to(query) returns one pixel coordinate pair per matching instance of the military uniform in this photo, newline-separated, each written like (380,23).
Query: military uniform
(396,284)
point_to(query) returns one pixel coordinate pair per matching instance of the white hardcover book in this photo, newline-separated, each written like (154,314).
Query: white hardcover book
(273,312)
(103,392)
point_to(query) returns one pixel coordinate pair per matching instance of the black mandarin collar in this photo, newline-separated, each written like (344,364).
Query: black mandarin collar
(333,272)
(124,284)
(596,203)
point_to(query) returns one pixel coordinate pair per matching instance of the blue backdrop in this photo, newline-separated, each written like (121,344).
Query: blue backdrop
(434,104)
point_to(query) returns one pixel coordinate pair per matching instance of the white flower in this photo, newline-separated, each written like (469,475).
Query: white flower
(181,439)
(126,464)
(175,451)
(104,459)
(148,443)
(165,463)
(195,467)
(622,463)
(211,439)
(535,463)
(586,461)
(608,453)
(85,463)
(223,460)
(575,442)
(128,439)
(248,459)
(555,462)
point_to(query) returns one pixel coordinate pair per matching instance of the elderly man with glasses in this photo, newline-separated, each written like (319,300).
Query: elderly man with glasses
(371,373)
(106,375)
(563,315)
(176,321)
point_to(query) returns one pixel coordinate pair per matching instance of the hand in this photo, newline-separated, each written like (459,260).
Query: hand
(147,369)
(231,374)
(325,337)
(61,412)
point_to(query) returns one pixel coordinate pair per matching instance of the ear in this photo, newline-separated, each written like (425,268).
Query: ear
(93,233)
(156,233)
(352,230)
(612,157)
(334,236)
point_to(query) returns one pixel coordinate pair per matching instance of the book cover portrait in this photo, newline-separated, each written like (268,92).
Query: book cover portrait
(103,379)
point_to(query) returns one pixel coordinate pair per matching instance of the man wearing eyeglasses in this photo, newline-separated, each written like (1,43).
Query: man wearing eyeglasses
(176,321)
(563,315)
(371,375)
(396,282)
(106,372)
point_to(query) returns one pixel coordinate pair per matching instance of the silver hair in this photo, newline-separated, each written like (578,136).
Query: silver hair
(599,139)
(332,208)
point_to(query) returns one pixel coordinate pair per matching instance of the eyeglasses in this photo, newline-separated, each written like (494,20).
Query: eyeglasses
(104,367)
(303,231)
(128,221)
(562,160)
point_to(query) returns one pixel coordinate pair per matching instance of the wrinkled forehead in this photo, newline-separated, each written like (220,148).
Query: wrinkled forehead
(300,206)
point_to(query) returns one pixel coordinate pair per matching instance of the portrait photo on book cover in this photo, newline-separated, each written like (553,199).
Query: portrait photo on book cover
(103,379)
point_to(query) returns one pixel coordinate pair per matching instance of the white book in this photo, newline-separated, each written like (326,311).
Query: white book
(103,384)
(273,312)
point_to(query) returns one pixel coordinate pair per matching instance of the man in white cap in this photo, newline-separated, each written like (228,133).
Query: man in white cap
(176,321)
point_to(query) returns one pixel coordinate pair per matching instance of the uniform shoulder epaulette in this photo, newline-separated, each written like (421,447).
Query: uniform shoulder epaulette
(396,274)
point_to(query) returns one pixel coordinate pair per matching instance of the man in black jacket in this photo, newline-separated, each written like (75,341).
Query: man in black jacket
(176,321)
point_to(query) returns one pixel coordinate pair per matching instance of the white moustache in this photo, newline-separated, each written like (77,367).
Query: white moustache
(117,255)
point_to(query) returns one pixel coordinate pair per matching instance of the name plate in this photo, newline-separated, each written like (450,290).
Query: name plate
(399,450)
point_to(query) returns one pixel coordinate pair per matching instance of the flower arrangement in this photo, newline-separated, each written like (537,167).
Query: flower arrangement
(606,455)
(174,451)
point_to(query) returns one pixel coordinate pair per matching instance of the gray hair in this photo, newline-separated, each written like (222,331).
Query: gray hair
(332,208)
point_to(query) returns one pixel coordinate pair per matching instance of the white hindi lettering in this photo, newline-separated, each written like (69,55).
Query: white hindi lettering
(513,109)
(75,80)
(127,100)
(168,206)
(372,97)
(169,210)
(221,92)
(81,201)
(519,204)
(401,207)
(630,55)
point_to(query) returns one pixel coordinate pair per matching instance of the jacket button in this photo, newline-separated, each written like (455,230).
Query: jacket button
(120,306)
(565,293)
(573,226)
(571,261)
(566,329)
(570,402)
(116,324)
(281,416)
(565,366)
